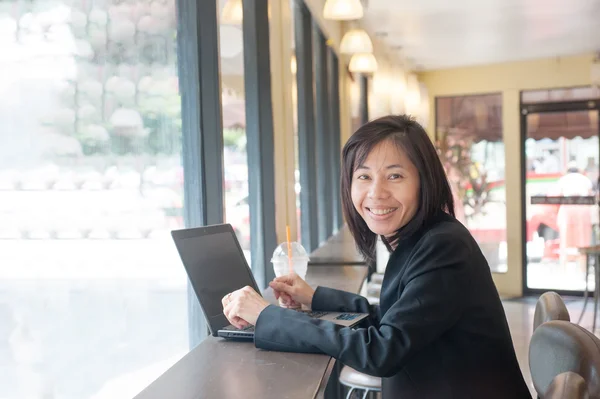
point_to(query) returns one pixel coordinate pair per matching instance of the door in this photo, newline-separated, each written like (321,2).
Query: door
(560,154)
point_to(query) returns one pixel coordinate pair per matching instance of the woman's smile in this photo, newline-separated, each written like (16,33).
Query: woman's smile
(381,213)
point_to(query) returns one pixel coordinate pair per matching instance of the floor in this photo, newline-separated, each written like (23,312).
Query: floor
(519,313)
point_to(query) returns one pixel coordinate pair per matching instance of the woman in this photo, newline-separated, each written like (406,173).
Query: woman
(440,331)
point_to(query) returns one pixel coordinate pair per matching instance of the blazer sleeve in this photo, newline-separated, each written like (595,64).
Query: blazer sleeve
(431,302)
(342,301)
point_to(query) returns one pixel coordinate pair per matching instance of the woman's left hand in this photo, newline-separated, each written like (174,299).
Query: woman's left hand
(242,307)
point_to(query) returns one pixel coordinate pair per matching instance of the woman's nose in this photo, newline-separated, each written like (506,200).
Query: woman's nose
(377,190)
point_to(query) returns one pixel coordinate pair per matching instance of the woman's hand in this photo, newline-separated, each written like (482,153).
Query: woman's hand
(242,307)
(292,287)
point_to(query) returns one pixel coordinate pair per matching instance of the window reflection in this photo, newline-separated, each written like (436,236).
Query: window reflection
(235,162)
(562,159)
(91,183)
(470,144)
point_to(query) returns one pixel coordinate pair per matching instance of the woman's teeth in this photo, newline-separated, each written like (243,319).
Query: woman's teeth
(381,211)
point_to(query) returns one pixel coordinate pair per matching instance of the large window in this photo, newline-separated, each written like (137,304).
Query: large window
(469,139)
(235,162)
(92,297)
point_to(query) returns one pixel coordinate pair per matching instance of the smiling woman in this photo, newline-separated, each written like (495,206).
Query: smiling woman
(440,330)
(394,180)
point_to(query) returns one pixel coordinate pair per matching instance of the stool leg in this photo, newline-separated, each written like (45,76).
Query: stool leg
(365,394)
(349,396)
(596,290)
(585,293)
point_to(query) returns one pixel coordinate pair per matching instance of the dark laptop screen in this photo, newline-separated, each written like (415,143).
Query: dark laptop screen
(215,266)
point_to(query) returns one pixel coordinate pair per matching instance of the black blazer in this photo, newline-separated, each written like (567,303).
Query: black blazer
(440,332)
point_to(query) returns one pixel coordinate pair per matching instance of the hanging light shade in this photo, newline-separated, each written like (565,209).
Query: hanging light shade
(356,41)
(343,10)
(232,13)
(363,63)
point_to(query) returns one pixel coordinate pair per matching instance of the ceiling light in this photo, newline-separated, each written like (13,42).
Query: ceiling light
(232,13)
(343,10)
(356,41)
(363,63)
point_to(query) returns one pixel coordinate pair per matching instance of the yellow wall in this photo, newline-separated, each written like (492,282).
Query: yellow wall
(509,79)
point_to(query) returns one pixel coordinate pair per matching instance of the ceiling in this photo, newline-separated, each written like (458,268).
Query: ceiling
(437,34)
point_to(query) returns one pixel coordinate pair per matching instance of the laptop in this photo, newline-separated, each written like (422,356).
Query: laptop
(216,266)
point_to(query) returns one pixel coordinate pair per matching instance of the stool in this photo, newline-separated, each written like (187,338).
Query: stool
(377,278)
(373,300)
(373,289)
(590,253)
(356,380)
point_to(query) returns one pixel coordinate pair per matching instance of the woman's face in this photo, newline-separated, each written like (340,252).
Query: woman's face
(385,189)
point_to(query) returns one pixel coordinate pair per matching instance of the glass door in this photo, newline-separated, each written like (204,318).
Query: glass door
(561,160)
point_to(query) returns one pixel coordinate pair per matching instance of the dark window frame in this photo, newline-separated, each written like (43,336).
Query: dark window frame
(259,137)
(306,125)
(323,148)
(202,138)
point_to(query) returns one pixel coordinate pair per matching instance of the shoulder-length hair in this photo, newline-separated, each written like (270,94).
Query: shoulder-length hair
(434,192)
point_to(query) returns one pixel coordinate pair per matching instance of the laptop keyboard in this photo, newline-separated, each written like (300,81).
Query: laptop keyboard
(313,313)
(310,313)
(347,316)
(233,328)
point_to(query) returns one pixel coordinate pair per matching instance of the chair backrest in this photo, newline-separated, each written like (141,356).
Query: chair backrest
(560,346)
(550,306)
(567,385)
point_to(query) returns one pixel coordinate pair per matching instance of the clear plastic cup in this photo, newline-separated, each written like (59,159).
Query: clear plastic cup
(282,264)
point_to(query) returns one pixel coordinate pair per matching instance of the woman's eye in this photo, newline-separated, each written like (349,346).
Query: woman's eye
(395,176)
(362,177)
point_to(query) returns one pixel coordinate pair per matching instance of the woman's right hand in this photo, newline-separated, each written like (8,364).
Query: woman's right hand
(293,286)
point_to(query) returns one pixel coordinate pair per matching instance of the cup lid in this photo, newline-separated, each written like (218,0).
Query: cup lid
(281,252)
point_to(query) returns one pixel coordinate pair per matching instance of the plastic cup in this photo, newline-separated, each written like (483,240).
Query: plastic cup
(283,265)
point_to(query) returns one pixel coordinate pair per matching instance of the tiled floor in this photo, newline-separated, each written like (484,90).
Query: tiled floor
(519,313)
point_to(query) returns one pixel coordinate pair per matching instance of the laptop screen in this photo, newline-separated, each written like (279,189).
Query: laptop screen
(215,265)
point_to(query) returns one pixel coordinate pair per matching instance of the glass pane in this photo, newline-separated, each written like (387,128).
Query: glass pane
(562,160)
(471,147)
(93,300)
(237,210)
(560,95)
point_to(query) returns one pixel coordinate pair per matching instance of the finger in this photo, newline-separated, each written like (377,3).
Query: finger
(285,298)
(239,323)
(281,287)
(288,279)
(277,294)
(227,313)
(243,323)
(225,300)
(232,316)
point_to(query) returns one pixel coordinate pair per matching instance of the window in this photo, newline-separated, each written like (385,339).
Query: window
(469,140)
(91,184)
(235,161)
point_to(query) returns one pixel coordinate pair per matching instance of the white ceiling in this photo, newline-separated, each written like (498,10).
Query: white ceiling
(436,34)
